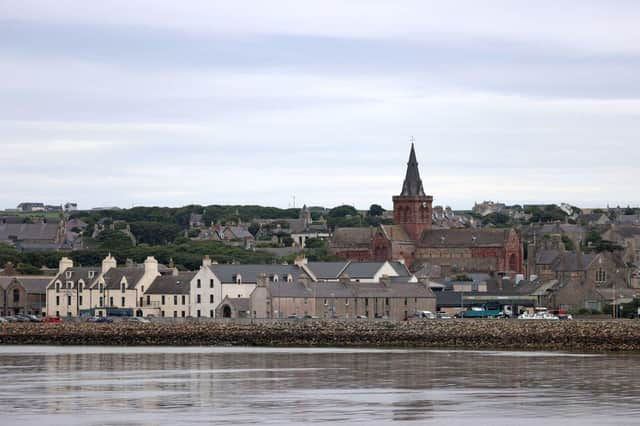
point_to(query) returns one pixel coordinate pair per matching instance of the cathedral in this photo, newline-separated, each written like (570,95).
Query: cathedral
(413,238)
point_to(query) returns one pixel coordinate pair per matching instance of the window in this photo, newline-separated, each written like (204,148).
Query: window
(601,275)
(58,313)
(80,300)
(183,299)
(326,302)
(175,314)
(16,295)
(386,301)
(346,302)
(91,274)
(211,298)
(142,289)
(366,301)
(58,286)
(122,287)
(405,301)
(123,302)
(57,300)
(198,283)
(148,300)
(162,298)
(211,314)
(68,274)
(101,302)
(69,300)
(175,300)
(211,283)
(141,301)
(69,284)
(101,288)
(198,300)
(162,314)
(198,313)
(182,314)
(80,287)
(239,296)
(111,301)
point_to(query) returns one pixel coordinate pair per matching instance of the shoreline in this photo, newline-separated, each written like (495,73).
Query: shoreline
(591,336)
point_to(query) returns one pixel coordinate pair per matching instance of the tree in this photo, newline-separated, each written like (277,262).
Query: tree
(254,228)
(568,244)
(343,211)
(375,210)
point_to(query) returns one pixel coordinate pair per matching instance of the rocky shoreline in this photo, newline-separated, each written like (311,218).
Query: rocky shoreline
(591,336)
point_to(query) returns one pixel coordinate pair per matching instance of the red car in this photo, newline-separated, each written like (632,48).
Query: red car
(52,319)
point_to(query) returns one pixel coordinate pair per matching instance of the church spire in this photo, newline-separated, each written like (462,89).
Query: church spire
(412,186)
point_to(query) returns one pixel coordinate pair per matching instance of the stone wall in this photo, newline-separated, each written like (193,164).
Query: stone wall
(588,335)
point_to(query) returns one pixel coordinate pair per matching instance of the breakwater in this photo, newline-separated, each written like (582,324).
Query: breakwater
(593,336)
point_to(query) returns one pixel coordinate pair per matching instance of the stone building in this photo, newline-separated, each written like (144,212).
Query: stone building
(574,280)
(413,239)
(390,298)
(22,294)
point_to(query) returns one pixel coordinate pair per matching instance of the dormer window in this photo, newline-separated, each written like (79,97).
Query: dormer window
(91,274)
(68,273)
(275,278)
(289,278)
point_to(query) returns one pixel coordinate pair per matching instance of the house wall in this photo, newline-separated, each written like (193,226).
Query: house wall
(210,285)
(173,306)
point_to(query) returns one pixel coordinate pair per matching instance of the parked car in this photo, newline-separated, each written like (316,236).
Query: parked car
(561,314)
(11,318)
(28,318)
(313,317)
(425,315)
(22,318)
(2,319)
(54,320)
(99,320)
(139,320)
(443,315)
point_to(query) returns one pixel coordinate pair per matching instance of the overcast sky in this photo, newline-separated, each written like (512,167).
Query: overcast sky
(253,102)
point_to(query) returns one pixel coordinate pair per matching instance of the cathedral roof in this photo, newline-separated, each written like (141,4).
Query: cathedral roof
(412,186)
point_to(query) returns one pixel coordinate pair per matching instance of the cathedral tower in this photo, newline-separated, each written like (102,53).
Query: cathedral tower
(412,208)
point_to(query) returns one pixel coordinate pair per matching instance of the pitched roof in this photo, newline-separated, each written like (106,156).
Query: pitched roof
(349,290)
(464,237)
(412,186)
(29,231)
(171,284)
(36,285)
(242,304)
(395,232)
(75,274)
(363,269)
(353,237)
(249,273)
(327,270)
(113,277)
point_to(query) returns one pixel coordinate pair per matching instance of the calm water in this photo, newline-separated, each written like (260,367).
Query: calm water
(118,386)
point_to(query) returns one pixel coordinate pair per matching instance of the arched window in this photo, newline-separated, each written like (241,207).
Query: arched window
(58,283)
(16,295)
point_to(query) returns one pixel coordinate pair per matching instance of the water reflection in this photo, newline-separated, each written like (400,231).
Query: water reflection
(40,385)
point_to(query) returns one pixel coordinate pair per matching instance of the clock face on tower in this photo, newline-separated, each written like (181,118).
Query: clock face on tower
(424,204)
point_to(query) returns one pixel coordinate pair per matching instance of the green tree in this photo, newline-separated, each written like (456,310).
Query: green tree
(375,210)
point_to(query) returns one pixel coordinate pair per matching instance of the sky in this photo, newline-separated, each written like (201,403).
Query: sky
(169,103)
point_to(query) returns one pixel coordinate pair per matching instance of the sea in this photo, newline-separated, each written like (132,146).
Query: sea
(94,385)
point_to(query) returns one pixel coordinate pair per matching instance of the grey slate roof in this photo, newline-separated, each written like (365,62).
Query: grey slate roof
(464,238)
(353,237)
(412,186)
(79,273)
(250,273)
(239,304)
(113,277)
(327,270)
(171,284)
(349,290)
(35,285)
(363,269)
(28,231)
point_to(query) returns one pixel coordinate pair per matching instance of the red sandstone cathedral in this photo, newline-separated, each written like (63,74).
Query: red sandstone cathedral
(413,238)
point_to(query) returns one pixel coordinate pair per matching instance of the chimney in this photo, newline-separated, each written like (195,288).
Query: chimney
(65,263)
(531,259)
(300,260)
(206,261)
(385,280)
(108,263)
(262,280)
(174,272)
(344,279)
(579,260)
(151,266)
